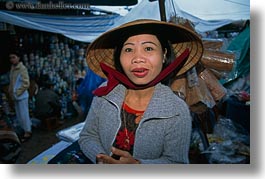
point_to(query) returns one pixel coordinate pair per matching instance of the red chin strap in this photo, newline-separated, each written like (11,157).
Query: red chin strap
(115,77)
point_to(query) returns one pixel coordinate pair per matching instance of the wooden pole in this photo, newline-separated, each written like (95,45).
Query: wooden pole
(162,10)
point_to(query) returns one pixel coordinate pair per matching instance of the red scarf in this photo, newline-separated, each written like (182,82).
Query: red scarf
(115,77)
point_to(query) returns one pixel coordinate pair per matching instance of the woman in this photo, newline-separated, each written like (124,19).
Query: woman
(134,117)
(18,89)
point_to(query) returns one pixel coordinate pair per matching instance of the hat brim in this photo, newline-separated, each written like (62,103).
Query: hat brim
(102,48)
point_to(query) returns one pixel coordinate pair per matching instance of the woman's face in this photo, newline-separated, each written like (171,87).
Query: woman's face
(142,58)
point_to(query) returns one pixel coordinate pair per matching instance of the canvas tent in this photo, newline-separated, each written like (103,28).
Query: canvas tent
(74,27)
(207,15)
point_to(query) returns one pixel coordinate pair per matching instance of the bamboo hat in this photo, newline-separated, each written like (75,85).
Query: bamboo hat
(102,48)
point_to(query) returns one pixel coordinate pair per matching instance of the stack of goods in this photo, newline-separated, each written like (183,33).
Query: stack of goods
(64,63)
(200,87)
(229,143)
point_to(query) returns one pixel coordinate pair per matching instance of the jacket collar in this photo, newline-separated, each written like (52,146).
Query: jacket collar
(162,105)
(18,66)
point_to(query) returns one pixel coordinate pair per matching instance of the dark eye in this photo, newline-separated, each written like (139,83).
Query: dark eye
(127,49)
(148,48)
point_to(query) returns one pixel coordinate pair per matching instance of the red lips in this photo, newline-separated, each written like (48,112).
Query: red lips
(140,72)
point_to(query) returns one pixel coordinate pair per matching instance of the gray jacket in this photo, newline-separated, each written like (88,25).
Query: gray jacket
(163,135)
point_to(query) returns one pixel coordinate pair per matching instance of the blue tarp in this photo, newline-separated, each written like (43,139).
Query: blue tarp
(240,45)
(83,28)
(85,89)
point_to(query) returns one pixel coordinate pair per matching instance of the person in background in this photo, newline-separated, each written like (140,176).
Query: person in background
(47,101)
(18,89)
(135,118)
(76,102)
(85,90)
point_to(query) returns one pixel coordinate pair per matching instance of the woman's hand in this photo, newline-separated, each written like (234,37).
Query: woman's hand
(125,158)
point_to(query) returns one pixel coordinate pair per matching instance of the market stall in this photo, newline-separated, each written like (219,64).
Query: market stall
(217,88)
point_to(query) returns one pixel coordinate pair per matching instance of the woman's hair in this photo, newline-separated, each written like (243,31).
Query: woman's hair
(166,45)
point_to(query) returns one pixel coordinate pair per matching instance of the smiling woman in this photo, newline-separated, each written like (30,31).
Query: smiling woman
(135,118)
(142,58)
